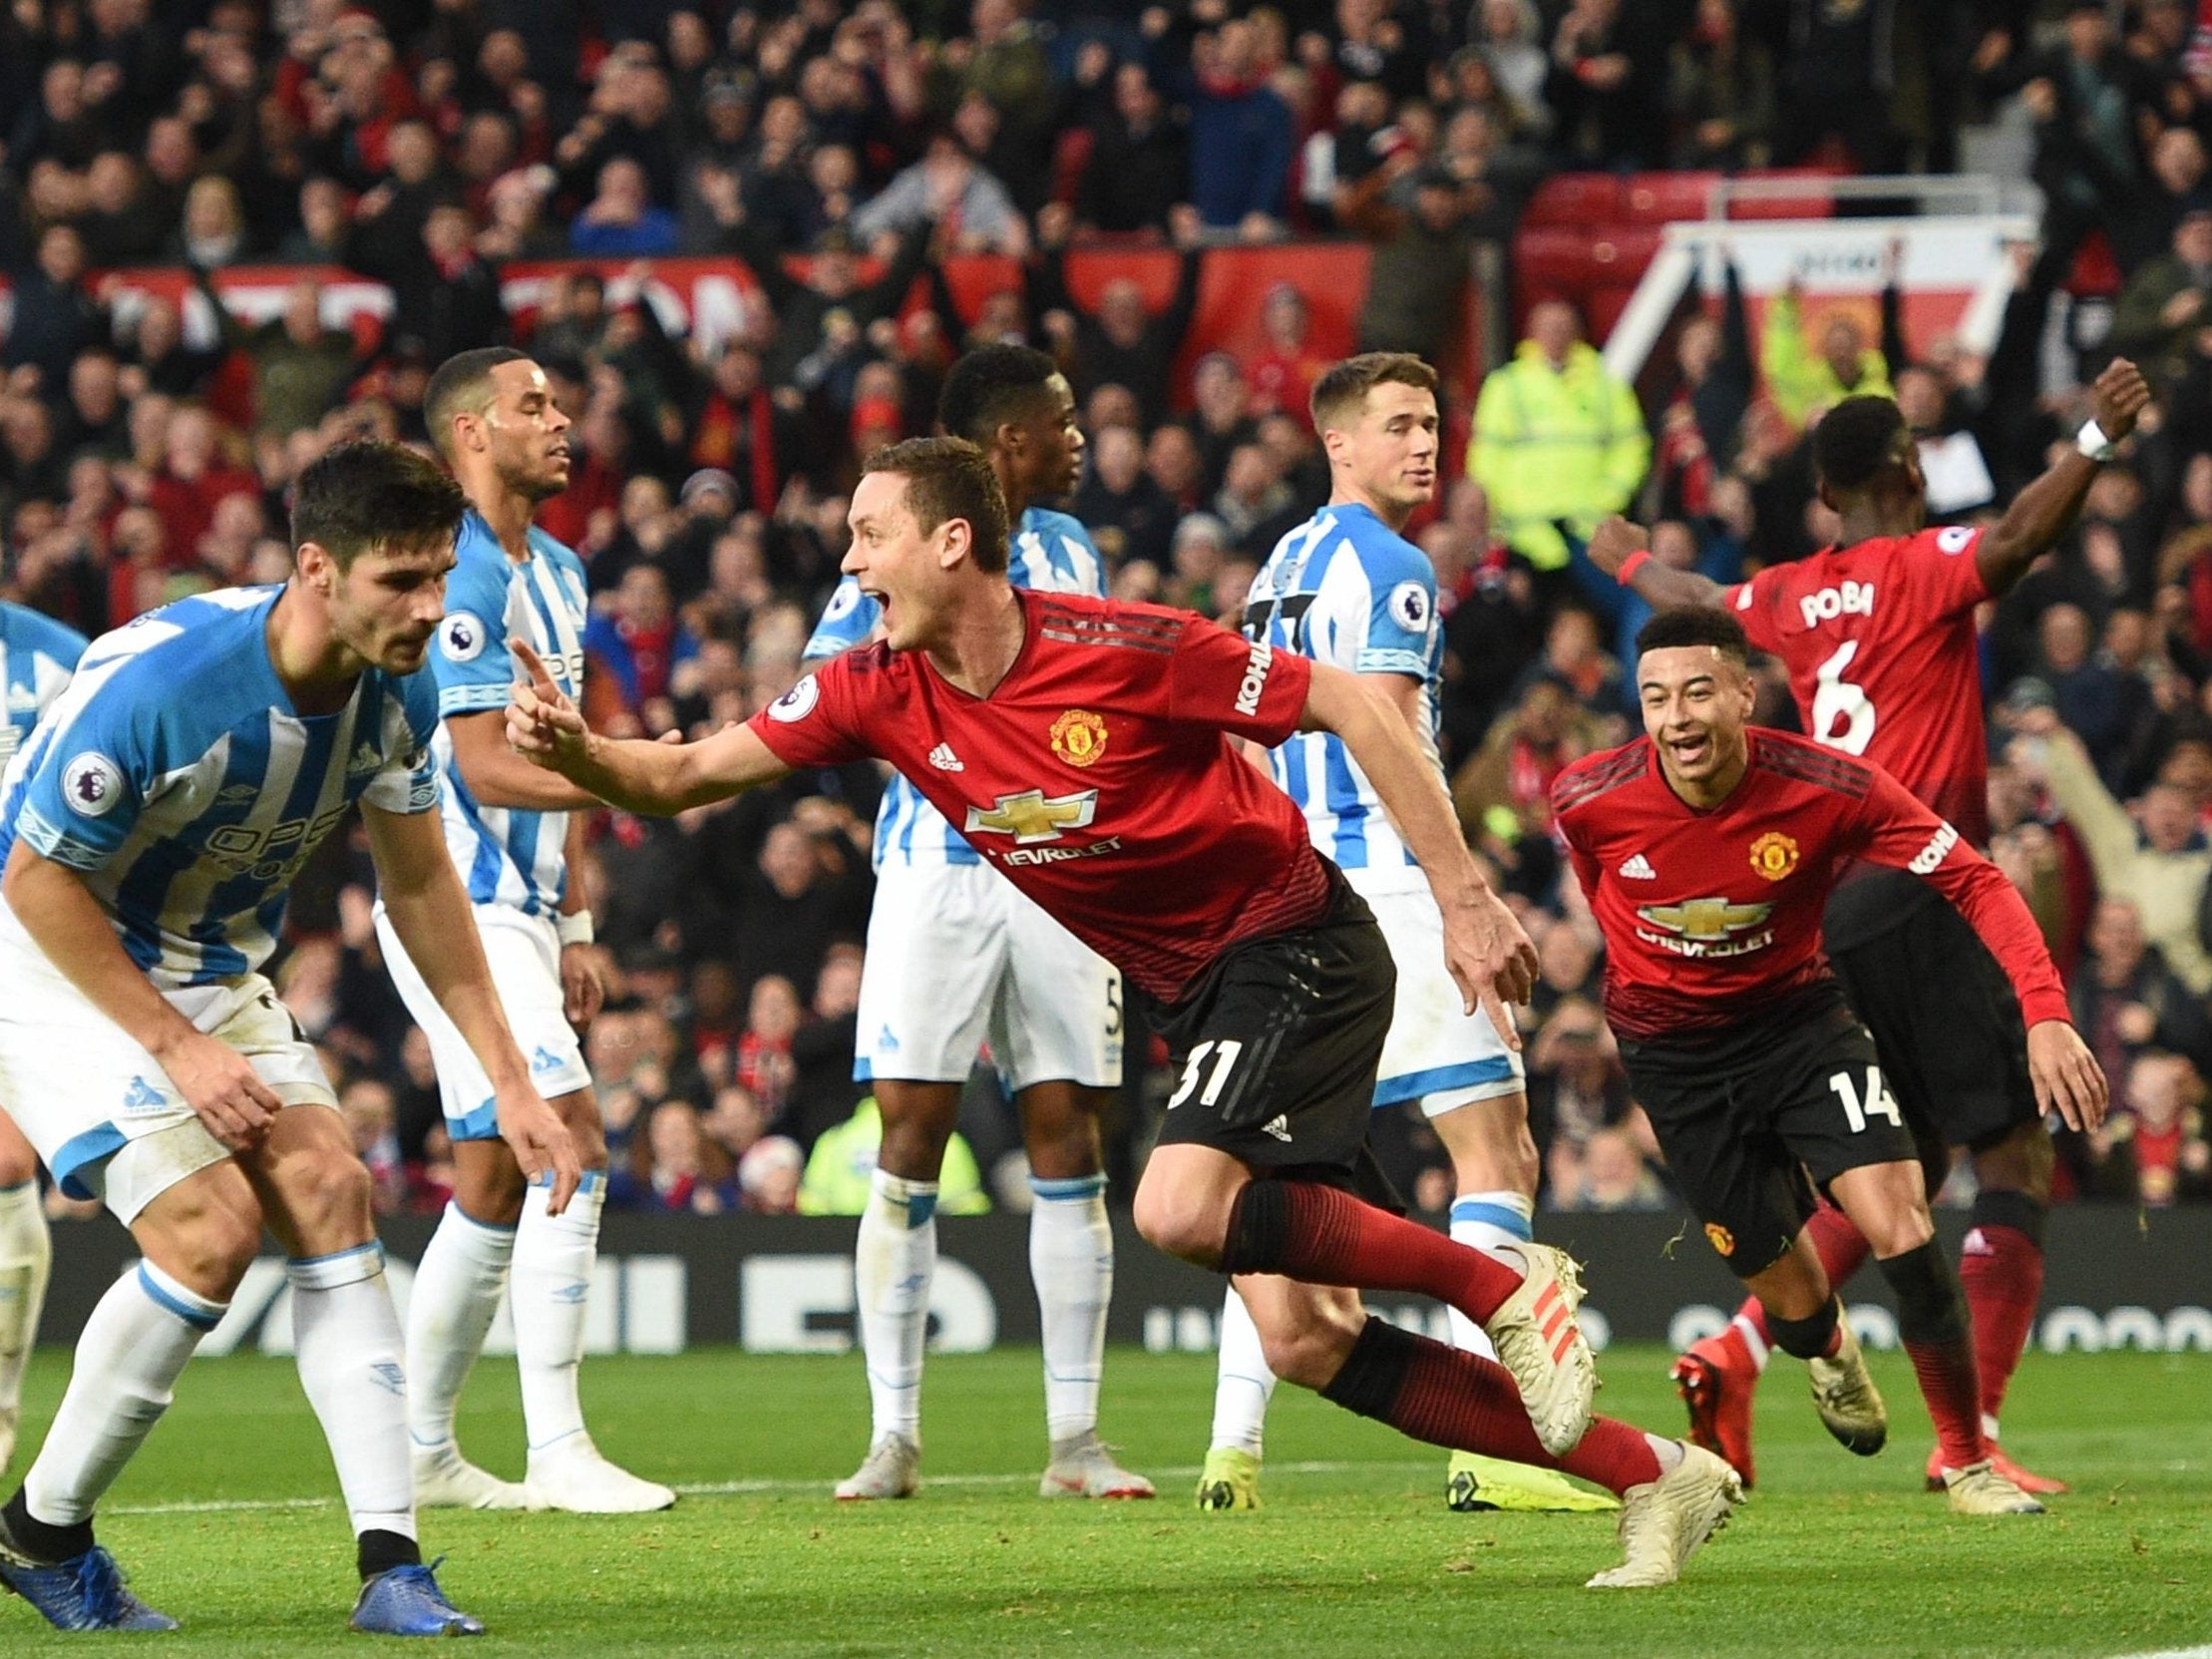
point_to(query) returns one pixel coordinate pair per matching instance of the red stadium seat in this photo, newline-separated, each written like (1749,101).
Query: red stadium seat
(1576,198)
(1660,198)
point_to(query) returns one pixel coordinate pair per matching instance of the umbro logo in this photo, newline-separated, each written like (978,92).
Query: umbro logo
(945,760)
(1278,1126)
(1638,868)
(366,758)
(239,794)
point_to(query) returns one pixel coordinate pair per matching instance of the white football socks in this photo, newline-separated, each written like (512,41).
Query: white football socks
(352,1366)
(1242,1383)
(893,1263)
(1071,1259)
(550,1287)
(26,1258)
(129,1356)
(1485,1221)
(457,1294)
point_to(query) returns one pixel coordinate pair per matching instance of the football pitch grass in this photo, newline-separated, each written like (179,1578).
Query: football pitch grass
(228,1521)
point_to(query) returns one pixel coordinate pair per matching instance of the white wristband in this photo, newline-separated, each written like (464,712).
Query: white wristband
(2093,442)
(574,927)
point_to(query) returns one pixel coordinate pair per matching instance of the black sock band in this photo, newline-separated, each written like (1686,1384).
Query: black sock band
(1259,1228)
(1373,1372)
(1931,1308)
(1806,1339)
(2016,1210)
(42,1540)
(378,1552)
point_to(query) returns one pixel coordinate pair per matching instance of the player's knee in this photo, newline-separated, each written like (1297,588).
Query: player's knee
(1309,1350)
(2020,1163)
(1899,1227)
(330,1199)
(914,1148)
(1179,1223)
(18,1163)
(208,1245)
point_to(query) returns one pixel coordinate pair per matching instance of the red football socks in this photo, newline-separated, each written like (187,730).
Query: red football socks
(1447,1396)
(1304,1230)
(2001,1270)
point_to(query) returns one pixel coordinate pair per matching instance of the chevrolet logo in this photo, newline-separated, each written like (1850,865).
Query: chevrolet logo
(1034,816)
(1704,918)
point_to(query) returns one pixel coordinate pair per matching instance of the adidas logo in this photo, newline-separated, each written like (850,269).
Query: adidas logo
(23,700)
(1638,868)
(366,758)
(1278,1126)
(945,760)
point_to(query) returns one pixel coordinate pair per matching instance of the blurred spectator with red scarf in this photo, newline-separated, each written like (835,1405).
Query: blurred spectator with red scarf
(642,641)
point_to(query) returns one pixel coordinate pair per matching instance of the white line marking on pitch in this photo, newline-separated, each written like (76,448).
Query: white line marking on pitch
(750,1489)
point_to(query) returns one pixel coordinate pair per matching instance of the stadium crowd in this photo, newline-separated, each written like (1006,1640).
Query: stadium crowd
(427,144)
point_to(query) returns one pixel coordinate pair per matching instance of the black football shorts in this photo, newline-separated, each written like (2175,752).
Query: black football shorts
(1275,1049)
(1753,1118)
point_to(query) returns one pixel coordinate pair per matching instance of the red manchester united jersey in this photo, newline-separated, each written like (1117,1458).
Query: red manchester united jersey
(1098,775)
(1879,640)
(1710,915)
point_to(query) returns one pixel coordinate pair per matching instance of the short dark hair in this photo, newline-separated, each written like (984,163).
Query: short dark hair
(367,495)
(1694,625)
(951,478)
(462,384)
(1344,386)
(1856,439)
(989,387)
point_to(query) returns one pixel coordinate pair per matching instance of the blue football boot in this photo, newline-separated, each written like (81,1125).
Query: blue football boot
(85,1592)
(406,1601)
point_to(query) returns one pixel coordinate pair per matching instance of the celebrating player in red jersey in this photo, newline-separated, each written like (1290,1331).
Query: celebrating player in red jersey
(1878,635)
(1708,853)
(1084,748)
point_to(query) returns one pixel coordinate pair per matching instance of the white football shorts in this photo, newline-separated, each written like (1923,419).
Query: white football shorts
(102,1112)
(524,954)
(956,955)
(1436,1053)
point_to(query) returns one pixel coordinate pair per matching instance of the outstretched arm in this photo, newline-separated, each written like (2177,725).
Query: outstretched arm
(657,779)
(1484,946)
(1622,551)
(2047,509)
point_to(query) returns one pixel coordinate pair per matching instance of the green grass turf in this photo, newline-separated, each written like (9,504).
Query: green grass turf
(1353,1553)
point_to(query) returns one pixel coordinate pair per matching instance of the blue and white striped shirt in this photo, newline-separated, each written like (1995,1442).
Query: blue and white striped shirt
(1050,552)
(1346,588)
(37,656)
(175,776)
(505,855)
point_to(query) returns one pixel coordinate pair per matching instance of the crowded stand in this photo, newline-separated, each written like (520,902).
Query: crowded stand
(746,243)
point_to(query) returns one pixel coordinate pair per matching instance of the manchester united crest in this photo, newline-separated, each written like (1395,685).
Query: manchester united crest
(1079,737)
(1774,855)
(1720,1238)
